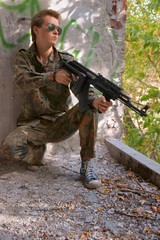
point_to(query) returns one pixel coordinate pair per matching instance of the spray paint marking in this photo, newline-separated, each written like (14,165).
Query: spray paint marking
(34,6)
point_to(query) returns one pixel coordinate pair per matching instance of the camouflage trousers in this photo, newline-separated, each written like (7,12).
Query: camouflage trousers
(27,143)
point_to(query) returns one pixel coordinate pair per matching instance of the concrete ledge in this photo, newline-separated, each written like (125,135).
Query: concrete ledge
(145,167)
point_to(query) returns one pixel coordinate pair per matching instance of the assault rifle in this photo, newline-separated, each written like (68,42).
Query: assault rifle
(109,90)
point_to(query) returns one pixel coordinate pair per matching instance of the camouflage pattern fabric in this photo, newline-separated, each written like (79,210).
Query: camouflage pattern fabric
(45,115)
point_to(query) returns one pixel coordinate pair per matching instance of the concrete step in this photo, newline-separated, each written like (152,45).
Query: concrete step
(145,167)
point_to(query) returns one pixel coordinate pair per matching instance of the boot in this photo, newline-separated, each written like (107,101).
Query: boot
(89,177)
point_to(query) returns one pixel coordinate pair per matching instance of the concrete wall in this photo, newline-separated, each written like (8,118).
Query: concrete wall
(93,30)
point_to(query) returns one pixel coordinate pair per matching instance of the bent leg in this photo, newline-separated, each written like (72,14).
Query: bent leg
(66,125)
(18,147)
(86,122)
(27,143)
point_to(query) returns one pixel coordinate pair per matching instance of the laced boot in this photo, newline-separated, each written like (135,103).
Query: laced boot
(88,175)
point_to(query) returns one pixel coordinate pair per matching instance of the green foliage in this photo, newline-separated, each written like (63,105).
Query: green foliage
(142,75)
(144,134)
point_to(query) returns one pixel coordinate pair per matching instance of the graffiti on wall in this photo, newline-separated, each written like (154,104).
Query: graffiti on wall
(115,8)
(87,32)
(33,6)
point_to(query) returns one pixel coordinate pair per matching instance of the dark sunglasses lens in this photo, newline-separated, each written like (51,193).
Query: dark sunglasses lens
(59,30)
(52,27)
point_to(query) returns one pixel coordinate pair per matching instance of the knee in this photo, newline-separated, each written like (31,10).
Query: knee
(11,151)
(34,154)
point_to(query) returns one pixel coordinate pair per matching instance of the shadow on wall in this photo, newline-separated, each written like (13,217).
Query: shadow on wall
(82,19)
(13,36)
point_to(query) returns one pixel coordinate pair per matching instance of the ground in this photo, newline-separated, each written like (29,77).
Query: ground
(53,203)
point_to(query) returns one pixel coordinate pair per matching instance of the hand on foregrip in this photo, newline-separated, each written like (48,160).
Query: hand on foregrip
(101,104)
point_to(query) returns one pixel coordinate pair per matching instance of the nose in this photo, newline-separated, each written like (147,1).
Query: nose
(55,30)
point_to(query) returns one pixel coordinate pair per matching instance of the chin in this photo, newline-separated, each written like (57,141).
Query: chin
(53,43)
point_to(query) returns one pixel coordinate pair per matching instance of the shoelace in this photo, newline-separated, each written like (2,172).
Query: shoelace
(90,175)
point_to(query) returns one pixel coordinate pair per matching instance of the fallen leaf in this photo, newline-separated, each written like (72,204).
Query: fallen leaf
(84,236)
(142,202)
(99,209)
(138,210)
(158,198)
(122,186)
(155,208)
(121,197)
(147,230)
(130,174)
(105,181)
(105,191)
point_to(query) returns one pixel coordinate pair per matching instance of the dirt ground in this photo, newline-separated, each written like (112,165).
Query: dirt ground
(53,203)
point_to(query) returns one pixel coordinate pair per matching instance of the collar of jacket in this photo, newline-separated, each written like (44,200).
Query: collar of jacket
(54,54)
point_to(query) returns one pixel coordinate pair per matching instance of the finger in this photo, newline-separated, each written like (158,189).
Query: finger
(104,105)
(103,99)
(103,108)
(69,79)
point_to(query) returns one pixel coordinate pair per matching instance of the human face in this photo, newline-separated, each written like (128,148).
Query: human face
(48,33)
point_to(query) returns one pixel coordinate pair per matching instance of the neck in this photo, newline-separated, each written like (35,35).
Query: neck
(43,52)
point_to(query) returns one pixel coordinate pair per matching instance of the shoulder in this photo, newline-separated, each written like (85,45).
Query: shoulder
(29,51)
(66,55)
(22,52)
(22,55)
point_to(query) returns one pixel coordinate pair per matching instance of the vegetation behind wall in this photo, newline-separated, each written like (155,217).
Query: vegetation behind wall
(142,76)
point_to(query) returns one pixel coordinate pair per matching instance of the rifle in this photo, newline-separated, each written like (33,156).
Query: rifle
(109,90)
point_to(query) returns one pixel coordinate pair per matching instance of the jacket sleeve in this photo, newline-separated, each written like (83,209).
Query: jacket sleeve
(25,75)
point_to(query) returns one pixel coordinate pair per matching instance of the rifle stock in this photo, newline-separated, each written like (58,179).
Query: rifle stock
(105,86)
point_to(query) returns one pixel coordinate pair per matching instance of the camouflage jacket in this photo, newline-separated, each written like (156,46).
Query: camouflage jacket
(43,98)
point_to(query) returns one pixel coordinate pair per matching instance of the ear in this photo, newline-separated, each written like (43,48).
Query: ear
(35,30)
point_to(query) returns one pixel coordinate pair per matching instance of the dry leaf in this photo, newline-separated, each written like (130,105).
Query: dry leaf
(147,230)
(105,191)
(154,208)
(99,209)
(121,197)
(142,202)
(158,198)
(84,236)
(130,174)
(138,210)
(105,181)
(122,185)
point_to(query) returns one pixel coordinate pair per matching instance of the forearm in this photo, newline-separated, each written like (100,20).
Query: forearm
(31,80)
(26,77)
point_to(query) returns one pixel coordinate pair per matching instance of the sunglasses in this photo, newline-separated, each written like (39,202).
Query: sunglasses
(51,27)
